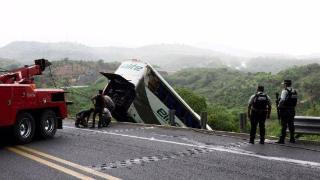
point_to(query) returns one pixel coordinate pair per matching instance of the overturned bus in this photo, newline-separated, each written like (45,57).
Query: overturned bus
(141,95)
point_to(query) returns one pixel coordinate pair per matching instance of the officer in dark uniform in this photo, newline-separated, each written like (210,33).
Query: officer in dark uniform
(287,104)
(259,109)
(99,104)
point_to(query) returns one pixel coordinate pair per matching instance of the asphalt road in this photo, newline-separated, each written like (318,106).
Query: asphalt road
(128,151)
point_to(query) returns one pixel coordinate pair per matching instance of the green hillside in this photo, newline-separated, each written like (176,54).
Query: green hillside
(222,92)
(227,92)
(231,88)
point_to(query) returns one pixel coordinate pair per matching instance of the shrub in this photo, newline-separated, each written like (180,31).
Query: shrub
(196,102)
(220,118)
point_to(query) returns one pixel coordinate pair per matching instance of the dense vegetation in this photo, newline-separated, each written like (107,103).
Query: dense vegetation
(222,92)
(227,92)
(231,88)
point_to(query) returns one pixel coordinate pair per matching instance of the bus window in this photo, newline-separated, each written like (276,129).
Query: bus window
(180,112)
(170,102)
(153,83)
(188,120)
(161,93)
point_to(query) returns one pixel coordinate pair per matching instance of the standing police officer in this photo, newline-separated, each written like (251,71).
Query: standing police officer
(287,104)
(259,110)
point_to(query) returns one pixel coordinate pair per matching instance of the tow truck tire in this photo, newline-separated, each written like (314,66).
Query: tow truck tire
(24,128)
(48,124)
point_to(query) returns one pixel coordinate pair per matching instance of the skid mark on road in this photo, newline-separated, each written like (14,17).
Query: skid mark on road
(236,151)
(149,159)
(165,156)
(195,142)
(229,146)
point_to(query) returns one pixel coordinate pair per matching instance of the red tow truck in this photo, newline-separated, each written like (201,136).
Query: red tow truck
(28,110)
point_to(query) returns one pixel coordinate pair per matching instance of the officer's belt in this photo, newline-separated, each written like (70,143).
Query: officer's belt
(286,108)
(259,110)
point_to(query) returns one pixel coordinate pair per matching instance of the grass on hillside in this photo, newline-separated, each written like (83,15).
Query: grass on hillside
(81,97)
(273,129)
(220,117)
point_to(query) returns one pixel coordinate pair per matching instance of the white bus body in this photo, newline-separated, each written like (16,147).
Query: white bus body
(141,95)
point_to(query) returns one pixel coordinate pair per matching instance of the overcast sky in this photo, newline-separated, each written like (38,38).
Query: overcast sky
(271,26)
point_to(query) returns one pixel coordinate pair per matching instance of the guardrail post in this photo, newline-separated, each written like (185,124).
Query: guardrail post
(172,113)
(243,122)
(204,118)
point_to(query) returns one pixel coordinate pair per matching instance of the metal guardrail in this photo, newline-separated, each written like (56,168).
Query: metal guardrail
(307,125)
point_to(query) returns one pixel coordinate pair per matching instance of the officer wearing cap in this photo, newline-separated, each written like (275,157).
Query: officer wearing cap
(287,104)
(259,109)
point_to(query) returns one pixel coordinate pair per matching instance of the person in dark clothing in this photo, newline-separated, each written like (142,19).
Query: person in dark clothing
(99,104)
(82,118)
(259,109)
(287,104)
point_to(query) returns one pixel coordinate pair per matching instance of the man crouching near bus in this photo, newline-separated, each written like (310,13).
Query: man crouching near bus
(107,116)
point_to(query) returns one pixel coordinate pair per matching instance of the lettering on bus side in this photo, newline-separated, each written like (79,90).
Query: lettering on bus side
(134,67)
(163,114)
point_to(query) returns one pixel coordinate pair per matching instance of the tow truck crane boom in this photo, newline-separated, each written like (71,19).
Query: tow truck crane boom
(25,74)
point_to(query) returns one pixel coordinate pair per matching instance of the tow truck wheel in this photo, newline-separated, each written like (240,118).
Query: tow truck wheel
(24,128)
(48,124)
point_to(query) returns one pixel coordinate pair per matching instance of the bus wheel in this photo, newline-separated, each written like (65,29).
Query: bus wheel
(48,124)
(24,128)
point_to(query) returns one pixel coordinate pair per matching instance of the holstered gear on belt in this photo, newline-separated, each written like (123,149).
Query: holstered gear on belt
(259,110)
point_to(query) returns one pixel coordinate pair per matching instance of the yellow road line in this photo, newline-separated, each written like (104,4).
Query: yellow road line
(74,165)
(50,164)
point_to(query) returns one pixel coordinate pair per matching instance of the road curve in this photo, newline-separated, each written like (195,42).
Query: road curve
(130,151)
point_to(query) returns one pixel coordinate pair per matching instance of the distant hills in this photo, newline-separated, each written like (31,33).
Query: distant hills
(171,57)
(168,56)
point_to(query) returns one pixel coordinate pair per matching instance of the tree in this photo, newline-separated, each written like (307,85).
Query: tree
(196,102)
